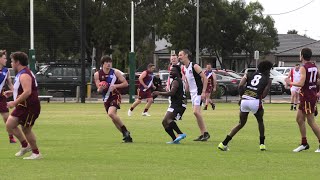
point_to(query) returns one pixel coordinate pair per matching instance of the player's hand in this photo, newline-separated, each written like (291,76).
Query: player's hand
(11,104)
(287,80)
(7,94)
(203,95)
(112,88)
(155,93)
(239,102)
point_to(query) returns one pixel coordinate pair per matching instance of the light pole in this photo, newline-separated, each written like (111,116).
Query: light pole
(32,57)
(197,34)
(132,62)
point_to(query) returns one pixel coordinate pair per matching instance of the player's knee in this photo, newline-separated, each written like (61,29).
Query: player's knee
(164,123)
(111,115)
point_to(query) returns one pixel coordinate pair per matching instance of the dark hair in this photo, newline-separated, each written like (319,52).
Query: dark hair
(21,57)
(306,53)
(105,59)
(265,66)
(178,69)
(3,52)
(297,64)
(150,65)
(186,51)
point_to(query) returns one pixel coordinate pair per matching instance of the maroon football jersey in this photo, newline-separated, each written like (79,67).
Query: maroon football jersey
(32,103)
(147,79)
(309,90)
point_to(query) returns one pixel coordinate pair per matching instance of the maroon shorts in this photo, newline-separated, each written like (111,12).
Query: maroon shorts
(114,100)
(308,107)
(209,89)
(3,104)
(144,94)
(26,118)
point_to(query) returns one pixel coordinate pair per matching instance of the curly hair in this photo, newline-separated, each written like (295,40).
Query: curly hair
(265,66)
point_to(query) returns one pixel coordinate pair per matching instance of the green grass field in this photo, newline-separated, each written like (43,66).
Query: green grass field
(78,141)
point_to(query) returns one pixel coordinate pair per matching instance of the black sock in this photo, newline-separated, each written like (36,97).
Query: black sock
(131,109)
(175,127)
(262,139)
(145,110)
(226,140)
(123,130)
(169,130)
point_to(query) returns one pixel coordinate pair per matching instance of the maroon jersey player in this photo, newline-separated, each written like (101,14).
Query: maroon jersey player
(308,98)
(144,90)
(109,80)
(26,106)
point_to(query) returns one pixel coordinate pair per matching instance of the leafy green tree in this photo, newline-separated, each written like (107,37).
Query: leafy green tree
(293,31)
(260,33)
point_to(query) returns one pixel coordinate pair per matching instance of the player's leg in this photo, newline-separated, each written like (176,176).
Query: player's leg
(31,138)
(5,116)
(134,105)
(243,120)
(12,128)
(314,126)
(112,113)
(292,96)
(259,117)
(302,127)
(296,99)
(203,129)
(148,105)
(207,101)
(165,123)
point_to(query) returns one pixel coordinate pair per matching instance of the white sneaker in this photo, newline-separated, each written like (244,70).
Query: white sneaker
(33,156)
(301,148)
(145,114)
(318,150)
(23,151)
(129,112)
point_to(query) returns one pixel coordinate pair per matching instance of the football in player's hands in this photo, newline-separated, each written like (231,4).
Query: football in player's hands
(104,84)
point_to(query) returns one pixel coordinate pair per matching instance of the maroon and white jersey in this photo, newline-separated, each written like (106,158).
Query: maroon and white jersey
(32,103)
(148,80)
(308,91)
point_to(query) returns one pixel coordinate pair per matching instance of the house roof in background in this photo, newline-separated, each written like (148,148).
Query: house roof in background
(291,44)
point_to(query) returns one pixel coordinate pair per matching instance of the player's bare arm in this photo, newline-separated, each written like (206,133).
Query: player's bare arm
(97,81)
(214,82)
(302,78)
(9,82)
(143,75)
(204,79)
(173,90)
(123,81)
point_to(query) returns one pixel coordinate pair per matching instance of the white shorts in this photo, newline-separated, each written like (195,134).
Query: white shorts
(195,99)
(295,89)
(250,105)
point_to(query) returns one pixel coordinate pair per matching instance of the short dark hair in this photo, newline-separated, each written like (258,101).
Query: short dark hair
(3,52)
(186,51)
(265,66)
(178,69)
(150,65)
(306,53)
(297,64)
(105,59)
(21,57)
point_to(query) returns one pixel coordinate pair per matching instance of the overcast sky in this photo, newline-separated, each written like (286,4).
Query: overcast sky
(304,20)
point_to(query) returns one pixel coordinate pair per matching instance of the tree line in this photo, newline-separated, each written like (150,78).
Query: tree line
(225,28)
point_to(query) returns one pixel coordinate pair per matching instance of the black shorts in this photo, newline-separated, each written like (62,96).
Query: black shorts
(177,111)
